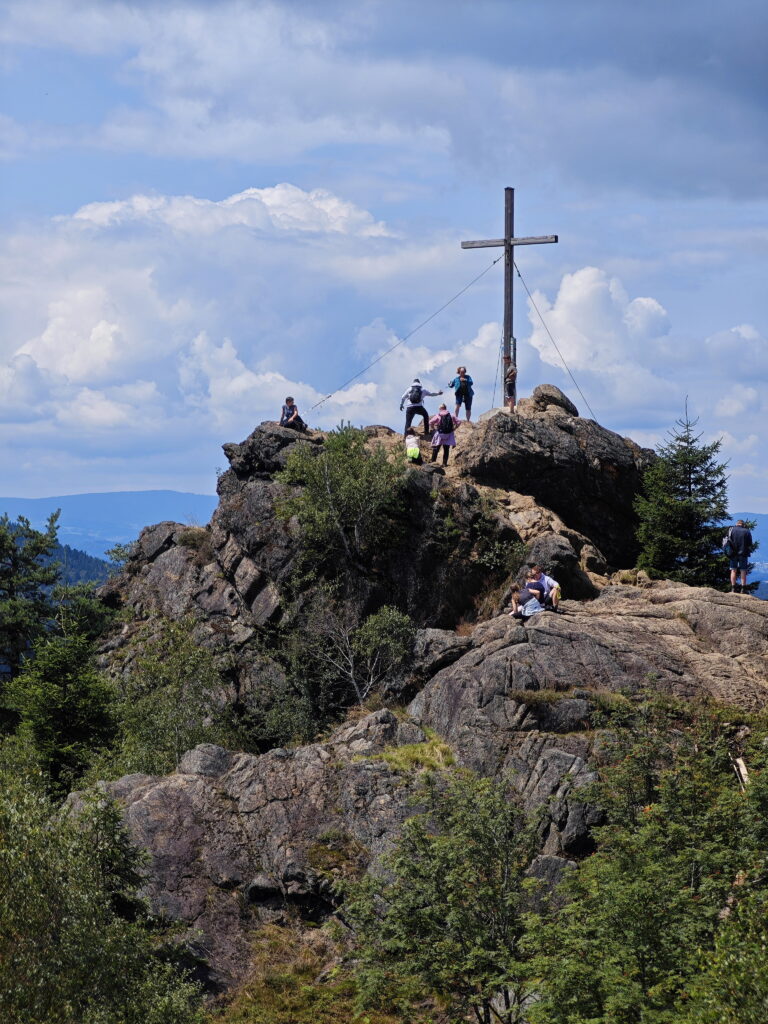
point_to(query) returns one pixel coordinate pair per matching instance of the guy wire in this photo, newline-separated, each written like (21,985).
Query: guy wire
(409,335)
(543,323)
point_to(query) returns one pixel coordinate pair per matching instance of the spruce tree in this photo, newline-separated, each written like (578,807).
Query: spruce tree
(682,509)
(65,708)
(26,578)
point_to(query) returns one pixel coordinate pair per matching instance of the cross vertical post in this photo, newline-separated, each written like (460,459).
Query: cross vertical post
(509,242)
(509,362)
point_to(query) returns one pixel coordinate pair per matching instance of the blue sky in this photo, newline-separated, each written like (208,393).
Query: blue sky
(206,206)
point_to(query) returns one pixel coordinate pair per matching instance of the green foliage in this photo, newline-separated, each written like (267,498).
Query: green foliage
(349,500)
(26,576)
(499,556)
(315,672)
(65,708)
(69,954)
(119,555)
(448,920)
(378,648)
(169,702)
(288,711)
(337,662)
(680,514)
(78,610)
(733,985)
(337,854)
(645,910)
(283,988)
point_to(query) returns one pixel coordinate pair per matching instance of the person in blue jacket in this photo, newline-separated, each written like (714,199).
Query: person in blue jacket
(462,386)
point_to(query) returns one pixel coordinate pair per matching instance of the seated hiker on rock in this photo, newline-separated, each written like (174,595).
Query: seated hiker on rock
(462,387)
(415,396)
(514,600)
(551,589)
(528,601)
(412,449)
(289,417)
(443,425)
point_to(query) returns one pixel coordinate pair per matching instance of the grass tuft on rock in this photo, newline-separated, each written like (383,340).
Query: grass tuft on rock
(299,978)
(433,754)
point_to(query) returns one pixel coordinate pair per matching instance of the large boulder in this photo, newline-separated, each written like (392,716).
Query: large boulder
(585,473)
(235,840)
(521,700)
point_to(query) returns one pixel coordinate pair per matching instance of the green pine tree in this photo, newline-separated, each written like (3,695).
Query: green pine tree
(65,708)
(77,944)
(26,606)
(682,509)
(447,918)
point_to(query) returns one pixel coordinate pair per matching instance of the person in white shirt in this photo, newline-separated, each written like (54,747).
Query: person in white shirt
(551,588)
(415,396)
(412,450)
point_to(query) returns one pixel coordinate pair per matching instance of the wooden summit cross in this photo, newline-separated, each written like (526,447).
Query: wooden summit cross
(509,242)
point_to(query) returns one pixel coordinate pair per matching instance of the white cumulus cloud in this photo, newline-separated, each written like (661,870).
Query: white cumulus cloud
(282,208)
(738,400)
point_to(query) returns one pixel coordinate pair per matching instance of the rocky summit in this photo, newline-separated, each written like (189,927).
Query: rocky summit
(238,839)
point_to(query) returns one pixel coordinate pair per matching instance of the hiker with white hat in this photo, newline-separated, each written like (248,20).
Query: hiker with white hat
(414,395)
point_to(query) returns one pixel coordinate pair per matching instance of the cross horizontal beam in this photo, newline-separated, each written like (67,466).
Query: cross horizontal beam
(488,242)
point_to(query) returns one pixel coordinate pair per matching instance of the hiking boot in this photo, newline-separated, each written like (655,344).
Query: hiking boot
(737,589)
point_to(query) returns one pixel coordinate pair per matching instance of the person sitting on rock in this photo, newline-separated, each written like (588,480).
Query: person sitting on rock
(528,601)
(289,417)
(443,426)
(462,388)
(412,450)
(514,600)
(551,588)
(415,395)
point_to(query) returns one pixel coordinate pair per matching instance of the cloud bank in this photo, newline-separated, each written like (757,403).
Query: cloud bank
(165,325)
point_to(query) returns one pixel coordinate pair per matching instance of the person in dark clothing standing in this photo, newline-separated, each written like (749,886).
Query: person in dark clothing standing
(741,542)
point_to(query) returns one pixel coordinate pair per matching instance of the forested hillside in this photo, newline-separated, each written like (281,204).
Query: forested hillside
(79,567)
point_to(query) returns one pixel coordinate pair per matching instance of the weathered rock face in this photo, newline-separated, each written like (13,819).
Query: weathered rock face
(584,473)
(683,641)
(233,577)
(235,839)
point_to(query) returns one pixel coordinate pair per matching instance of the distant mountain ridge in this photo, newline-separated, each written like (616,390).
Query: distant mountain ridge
(95,522)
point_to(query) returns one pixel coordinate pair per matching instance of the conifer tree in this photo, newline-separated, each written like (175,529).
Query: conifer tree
(681,512)
(26,578)
(65,708)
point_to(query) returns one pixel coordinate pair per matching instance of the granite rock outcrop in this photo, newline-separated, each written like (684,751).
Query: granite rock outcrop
(238,839)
